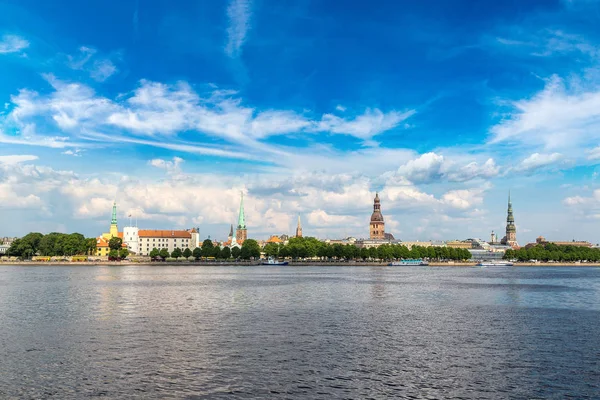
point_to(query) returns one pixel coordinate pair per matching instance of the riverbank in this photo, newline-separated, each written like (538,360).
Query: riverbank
(254,263)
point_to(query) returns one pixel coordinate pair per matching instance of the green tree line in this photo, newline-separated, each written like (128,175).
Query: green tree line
(250,249)
(309,247)
(553,252)
(52,244)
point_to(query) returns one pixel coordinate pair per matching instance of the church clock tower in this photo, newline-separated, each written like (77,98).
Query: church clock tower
(377,225)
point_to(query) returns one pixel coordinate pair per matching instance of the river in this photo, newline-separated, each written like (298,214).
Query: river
(189,332)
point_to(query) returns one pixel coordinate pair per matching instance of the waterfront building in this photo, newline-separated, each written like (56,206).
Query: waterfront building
(299,228)
(409,245)
(131,238)
(511,230)
(578,243)
(4,248)
(274,239)
(377,224)
(368,243)
(241,233)
(164,239)
(348,240)
(195,238)
(459,244)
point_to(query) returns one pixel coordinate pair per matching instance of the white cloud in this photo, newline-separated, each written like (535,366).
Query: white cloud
(365,126)
(340,108)
(594,154)
(167,165)
(432,167)
(13,159)
(100,69)
(155,110)
(238,13)
(586,207)
(548,43)
(464,199)
(12,44)
(74,152)
(558,117)
(537,161)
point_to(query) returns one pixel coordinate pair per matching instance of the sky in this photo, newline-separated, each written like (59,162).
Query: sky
(175,108)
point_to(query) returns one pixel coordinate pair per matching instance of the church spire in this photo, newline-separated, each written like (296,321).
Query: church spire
(299,228)
(241,233)
(242,217)
(231,232)
(114,214)
(511,229)
(114,229)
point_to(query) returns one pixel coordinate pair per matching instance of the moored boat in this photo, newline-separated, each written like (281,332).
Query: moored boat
(272,261)
(495,264)
(417,261)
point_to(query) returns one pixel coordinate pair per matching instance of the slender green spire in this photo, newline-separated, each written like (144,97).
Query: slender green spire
(114,214)
(242,217)
(510,218)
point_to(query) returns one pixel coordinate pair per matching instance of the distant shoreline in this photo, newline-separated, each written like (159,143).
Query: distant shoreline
(248,263)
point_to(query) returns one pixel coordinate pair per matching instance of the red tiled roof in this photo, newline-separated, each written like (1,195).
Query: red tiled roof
(164,234)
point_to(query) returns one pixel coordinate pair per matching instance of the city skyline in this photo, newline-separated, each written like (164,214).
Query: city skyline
(175,109)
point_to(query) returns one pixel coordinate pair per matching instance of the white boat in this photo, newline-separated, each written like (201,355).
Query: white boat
(495,264)
(400,263)
(272,261)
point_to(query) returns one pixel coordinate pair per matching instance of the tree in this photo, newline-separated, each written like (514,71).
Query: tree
(154,253)
(284,251)
(235,252)
(187,253)
(364,253)
(271,249)
(225,253)
(115,243)
(164,253)
(113,254)
(197,253)
(252,249)
(90,245)
(207,248)
(123,253)
(177,253)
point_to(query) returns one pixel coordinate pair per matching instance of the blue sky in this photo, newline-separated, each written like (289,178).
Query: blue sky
(308,107)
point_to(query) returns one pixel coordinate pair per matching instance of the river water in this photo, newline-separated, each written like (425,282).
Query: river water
(299,332)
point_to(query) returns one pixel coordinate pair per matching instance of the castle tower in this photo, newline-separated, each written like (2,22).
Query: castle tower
(377,225)
(114,229)
(241,233)
(511,230)
(299,228)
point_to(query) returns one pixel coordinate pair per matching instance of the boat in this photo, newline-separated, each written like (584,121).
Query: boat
(272,261)
(495,264)
(410,261)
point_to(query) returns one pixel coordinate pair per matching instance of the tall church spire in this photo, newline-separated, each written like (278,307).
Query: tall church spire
(114,229)
(511,229)
(241,233)
(242,217)
(114,214)
(299,228)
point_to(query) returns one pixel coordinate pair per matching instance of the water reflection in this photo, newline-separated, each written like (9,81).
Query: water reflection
(311,332)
